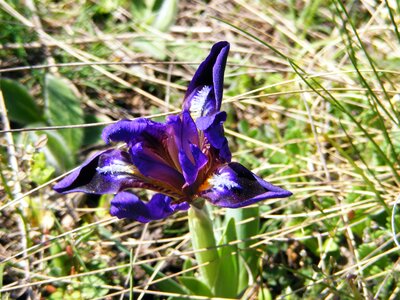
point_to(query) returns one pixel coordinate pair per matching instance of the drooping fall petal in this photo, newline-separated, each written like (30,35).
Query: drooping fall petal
(106,172)
(233,186)
(128,205)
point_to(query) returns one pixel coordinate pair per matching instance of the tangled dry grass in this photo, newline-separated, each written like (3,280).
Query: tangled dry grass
(312,93)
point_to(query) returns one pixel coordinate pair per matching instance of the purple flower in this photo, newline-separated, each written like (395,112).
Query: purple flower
(183,159)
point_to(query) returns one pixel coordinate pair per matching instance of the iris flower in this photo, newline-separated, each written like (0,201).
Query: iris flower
(184,159)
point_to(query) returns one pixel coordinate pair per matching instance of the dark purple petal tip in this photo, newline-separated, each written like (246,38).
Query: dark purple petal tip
(204,94)
(234,186)
(129,206)
(105,172)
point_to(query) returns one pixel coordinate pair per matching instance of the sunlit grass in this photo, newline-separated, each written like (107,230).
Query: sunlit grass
(311,90)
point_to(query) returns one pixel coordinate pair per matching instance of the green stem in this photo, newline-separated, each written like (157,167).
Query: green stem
(204,244)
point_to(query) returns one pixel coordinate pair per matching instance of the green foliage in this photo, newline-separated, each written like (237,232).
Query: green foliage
(203,242)
(196,286)
(228,270)
(167,284)
(21,106)
(57,152)
(339,57)
(40,172)
(62,107)
(61,264)
(89,288)
(158,14)
(264,294)
(247,222)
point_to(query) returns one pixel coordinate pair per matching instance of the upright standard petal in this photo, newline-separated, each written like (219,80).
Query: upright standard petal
(204,94)
(128,205)
(233,186)
(184,140)
(213,129)
(106,172)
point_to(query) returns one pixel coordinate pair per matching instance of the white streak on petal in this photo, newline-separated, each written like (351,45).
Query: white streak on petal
(118,167)
(197,104)
(222,181)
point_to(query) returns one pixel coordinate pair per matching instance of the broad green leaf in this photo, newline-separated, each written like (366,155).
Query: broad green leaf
(196,286)
(228,273)
(21,107)
(204,244)
(64,108)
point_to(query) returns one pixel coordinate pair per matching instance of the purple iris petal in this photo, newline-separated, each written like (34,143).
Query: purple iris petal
(234,186)
(214,132)
(186,142)
(104,173)
(151,165)
(206,88)
(134,131)
(128,205)
(191,168)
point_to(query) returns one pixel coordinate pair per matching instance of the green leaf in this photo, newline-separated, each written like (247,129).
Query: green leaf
(64,108)
(247,225)
(264,294)
(59,265)
(168,285)
(21,107)
(165,15)
(90,287)
(187,264)
(41,171)
(204,244)
(195,286)
(139,10)
(228,273)
(56,151)
(92,135)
